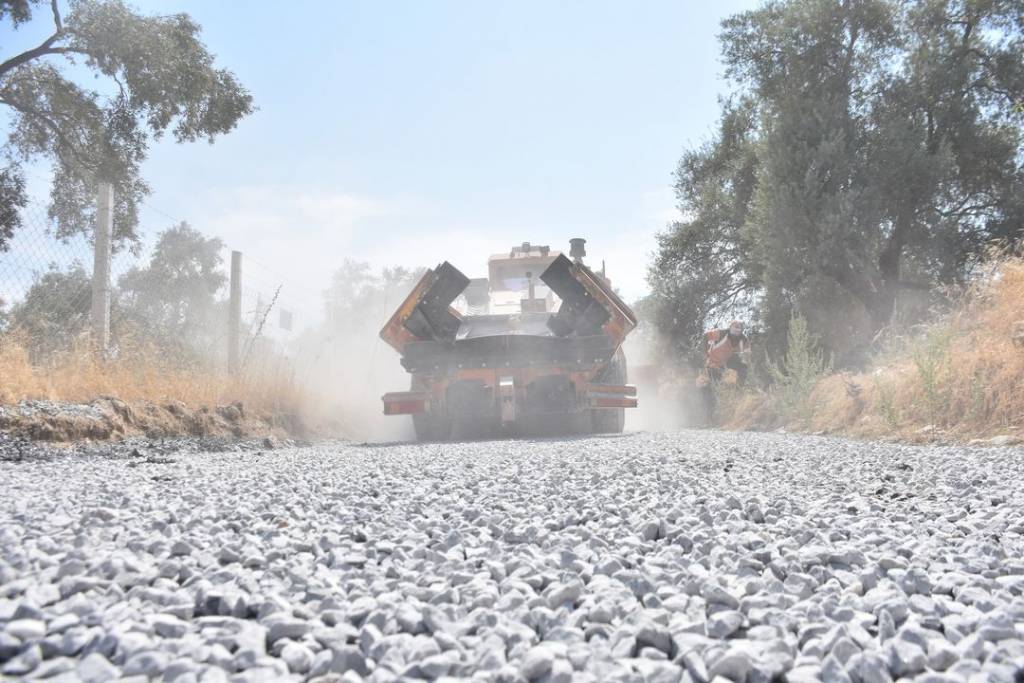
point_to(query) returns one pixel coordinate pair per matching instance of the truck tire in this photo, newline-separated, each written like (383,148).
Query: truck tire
(429,426)
(611,420)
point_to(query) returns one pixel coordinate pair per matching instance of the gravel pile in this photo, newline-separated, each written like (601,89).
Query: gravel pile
(693,556)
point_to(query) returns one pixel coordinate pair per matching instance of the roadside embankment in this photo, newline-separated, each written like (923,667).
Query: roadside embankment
(957,378)
(74,397)
(110,418)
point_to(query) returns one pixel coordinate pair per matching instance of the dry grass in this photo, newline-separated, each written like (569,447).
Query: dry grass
(140,374)
(962,375)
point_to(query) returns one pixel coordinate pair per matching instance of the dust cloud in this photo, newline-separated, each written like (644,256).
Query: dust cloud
(345,368)
(667,399)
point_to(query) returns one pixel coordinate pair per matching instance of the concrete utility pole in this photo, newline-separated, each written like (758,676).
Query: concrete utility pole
(100,312)
(235,312)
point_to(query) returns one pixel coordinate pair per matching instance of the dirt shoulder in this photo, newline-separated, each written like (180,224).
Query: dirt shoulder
(110,419)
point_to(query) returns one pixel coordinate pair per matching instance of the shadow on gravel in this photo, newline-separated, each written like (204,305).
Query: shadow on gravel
(517,439)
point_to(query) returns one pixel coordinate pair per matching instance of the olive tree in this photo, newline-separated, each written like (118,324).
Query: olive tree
(153,76)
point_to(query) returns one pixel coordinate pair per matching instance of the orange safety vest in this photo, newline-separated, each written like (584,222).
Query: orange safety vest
(720,348)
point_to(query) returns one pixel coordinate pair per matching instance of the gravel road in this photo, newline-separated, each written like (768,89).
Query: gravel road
(688,556)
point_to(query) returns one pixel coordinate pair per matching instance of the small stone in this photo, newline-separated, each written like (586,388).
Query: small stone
(639,584)
(997,627)
(941,654)
(180,668)
(844,649)
(73,640)
(72,567)
(287,628)
(695,666)
(971,647)
(562,672)
(601,613)
(889,562)
(650,530)
(564,594)
(168,626)
(832,670)
(723,624)
(656,636)
(905,658)
(347,658)
(228,556)
(95,668)
(9,646)
(25,662)
(26,629)
(149,663)
(609,566)
(105,514)
(886,626)
(733,665)
(298,657)
(62,623)
(181,548)
(537,662)
(870,667)
(435,666)
(213,674)
(717,595)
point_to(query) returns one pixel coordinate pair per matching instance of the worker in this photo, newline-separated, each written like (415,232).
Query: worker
(722,350)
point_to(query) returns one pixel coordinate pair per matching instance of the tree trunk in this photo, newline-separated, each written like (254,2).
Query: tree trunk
(889,261)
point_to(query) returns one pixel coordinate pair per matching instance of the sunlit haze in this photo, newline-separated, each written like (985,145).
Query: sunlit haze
(410,133)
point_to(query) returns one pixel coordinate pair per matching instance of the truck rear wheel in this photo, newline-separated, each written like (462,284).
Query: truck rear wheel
(611,420)
(429,426)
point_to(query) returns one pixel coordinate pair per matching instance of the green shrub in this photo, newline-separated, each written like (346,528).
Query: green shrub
(887,403)
(930,354)
(794,377)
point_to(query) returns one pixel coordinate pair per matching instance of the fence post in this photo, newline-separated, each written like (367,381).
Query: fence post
(100,311)
(235,312)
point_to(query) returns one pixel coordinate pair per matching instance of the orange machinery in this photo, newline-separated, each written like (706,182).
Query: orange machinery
(524,373)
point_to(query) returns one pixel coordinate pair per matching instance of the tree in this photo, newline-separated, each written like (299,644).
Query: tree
(358,298)
(55,310)
(173,299)
(702,266)
(881,151)
(159,78)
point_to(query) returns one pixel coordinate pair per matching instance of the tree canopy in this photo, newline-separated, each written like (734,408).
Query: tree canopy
(157,77)
(55,310)
(360,298)
(869,147)
(174,297)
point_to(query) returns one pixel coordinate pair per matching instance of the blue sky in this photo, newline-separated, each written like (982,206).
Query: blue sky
(411,132)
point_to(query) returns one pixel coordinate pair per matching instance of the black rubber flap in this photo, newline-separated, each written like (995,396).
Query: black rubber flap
(579,313)
(431,318)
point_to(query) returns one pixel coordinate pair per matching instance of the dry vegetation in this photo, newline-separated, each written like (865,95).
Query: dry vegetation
(138,375)
(961,376)
(151,391)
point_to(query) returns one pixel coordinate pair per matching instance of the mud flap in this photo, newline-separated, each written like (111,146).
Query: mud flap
(507,396)
(611,396)
(405,402)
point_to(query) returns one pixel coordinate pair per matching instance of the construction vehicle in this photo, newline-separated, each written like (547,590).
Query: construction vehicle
(532,349)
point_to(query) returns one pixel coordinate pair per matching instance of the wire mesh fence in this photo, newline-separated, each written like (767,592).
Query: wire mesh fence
(168,293)
(169,303)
